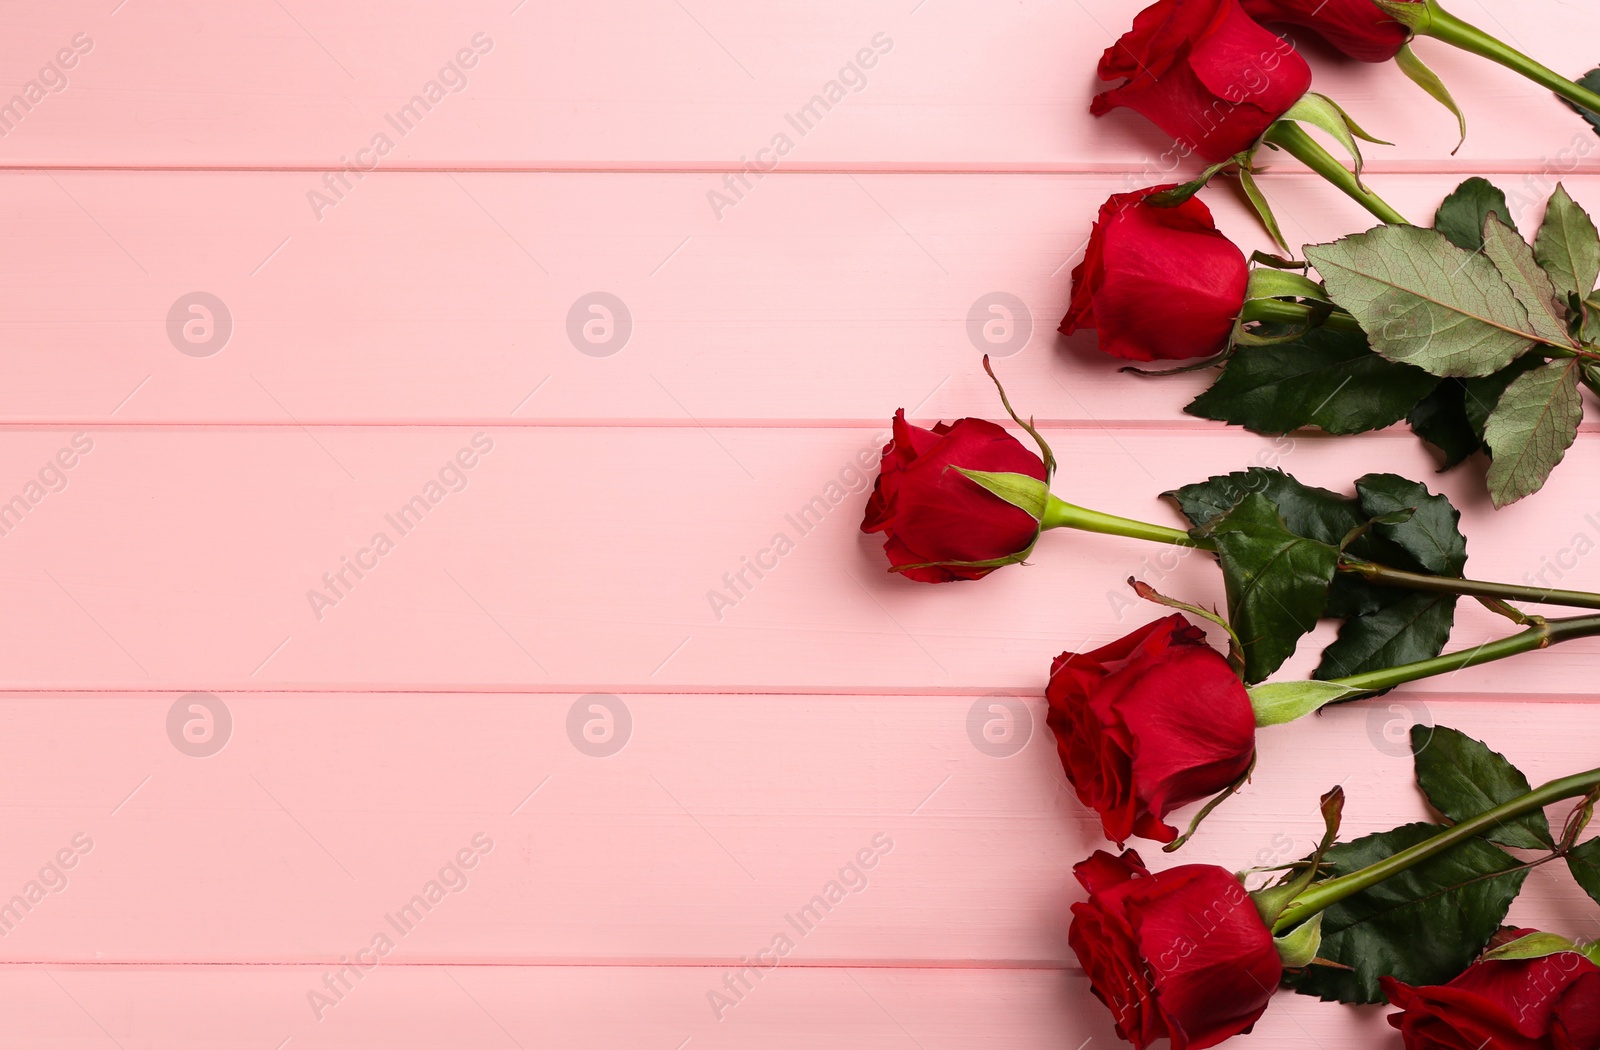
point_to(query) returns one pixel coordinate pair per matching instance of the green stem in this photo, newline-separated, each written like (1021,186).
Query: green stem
(1418,581)
(1442,25)
(1292,139)
(1540,635)
(1324,894)
(1059,514)
(1279,311)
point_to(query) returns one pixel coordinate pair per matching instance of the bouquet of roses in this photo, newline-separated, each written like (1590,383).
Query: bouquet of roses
(1478,338)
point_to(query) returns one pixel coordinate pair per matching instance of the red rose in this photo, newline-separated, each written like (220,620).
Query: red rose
(1157,283)
(1182,953)
(1205,73)
(1549,1003)
(936,517)
(1151,722)
(1359,28)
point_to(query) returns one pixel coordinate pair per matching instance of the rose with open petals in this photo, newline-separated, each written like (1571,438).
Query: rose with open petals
(1157,283)
(1548,1003)
(1359,28)
(942,525)
(1151,722)
(1181,954)
(1205,73)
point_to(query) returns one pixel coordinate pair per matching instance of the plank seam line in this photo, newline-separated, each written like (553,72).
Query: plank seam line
(1530,166)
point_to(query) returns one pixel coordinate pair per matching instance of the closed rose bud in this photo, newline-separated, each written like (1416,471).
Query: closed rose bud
(1157,283)
(1547,1003)
(1359,28)
(1205,73)
(942,525)
(1151,722)
(1180,954)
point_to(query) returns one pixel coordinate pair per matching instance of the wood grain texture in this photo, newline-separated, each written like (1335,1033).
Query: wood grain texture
(578,661)
(446,297)
(331,813)
(637,84)
(610,558)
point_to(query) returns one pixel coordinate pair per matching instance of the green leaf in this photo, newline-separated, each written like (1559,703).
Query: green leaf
(1511,255)
(1441,420)
(1422,926)
(1423,301)
(1300,945)
(1416,627)
(1276,703)
(1276,581)
(1258,201)
(1308,511)
(1431,534)
(1028,494)
(1429,81)
(1590,80)
(1584,863)
(1461,216)
(1568,246)
(1325,379)
(1532,425)
(1463,778)
(1481,394)
(1535,945)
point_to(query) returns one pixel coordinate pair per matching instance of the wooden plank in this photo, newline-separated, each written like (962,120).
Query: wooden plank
(492,1008)
(702,83)
(575,559)
(321,817)
(464,298)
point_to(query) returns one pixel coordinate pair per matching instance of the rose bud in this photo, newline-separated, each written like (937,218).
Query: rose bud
(1205,73)
(1551,1002)
(1157,283)
(1149,723)
(1358,28)
(941,524)
(1182,954)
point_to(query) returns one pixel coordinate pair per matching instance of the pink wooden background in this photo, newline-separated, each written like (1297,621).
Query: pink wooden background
(415,319)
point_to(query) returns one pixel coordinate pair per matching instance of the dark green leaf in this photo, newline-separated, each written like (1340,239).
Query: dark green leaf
(1568,246)
(1276,581)
(1463,778)
(1584,862)
(1326,379)
(1416,627)
(1431,535)
(1461,215)
(1590,80)
(1441,420)
(1308,511)
(1422,926)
